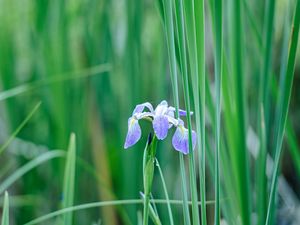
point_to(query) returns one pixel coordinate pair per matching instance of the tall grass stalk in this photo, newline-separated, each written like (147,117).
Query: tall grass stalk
(19,128)
(103,204)
(194,24)
(263,100)
(29,166)
(284,101)
(218,77)
(166,193)
(5,212)
(169,24)
(198,77)
(69,180)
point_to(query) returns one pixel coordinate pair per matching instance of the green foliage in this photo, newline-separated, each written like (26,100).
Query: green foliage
(69,180)
(234,64)
(5,213)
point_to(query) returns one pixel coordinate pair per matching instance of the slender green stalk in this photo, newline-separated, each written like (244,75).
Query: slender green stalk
(268,36)
(241,154)
(29,166)
(261,171)
(264,88)
(186,213)
(148,171)
(192,41)
(169,24)
(69,180)
(166,193)
(54,79)
(284,105)
(103,204)
(218,77)
(19,128)
(199,103)
(5,213)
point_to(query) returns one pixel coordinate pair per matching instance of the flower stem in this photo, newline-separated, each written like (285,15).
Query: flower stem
(146,209)
(148,170)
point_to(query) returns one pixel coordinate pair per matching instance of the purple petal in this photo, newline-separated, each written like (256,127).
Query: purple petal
(183,112)
(180,111)
(140,108)
(161,126)
(134,133)
(161,108)
(180,140)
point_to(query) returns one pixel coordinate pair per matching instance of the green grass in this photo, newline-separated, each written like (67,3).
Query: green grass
(69,180)
(80,67)
(5,213)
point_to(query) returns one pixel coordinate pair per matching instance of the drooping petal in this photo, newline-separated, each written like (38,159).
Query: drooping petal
(162,108)
(140,108)
(161,126)
(180,139)
(180,111)
(172,121)
(142,115)
(134,132)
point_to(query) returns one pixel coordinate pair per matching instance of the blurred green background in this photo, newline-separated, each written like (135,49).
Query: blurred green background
(90,62)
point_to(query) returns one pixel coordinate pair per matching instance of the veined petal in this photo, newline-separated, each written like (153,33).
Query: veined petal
(161,126)
(180,139)
(183,112)
(173,121)
(180,111)
(140,108)
(162,108)
(134,132)
(139,116)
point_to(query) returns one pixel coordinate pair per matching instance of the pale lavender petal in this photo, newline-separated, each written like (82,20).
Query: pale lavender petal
(180,140)
(161,126)
(171,112)
(134,133)
(172,121)
(162,108)
(140,108)
(139,116)
(183,112)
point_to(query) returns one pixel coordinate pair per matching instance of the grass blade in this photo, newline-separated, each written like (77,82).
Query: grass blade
(218,77)
(19,128)
(199,103)
(284,107)
(29,166)
(166,193)
(197,80)
(80,74)
(240,154)
(104,204)
(69,180)
(168,11)
(5,213)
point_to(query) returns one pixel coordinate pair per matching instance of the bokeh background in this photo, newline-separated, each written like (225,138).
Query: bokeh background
(89,63)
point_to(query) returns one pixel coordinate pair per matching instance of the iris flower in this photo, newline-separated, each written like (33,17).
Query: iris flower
(162,119)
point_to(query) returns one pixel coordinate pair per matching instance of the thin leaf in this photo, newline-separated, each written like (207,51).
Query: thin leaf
(168,12)
(6,94)
(284,106)
(103,204)
(29,166)
(166,193)
(19,128)
(5,213)
(69,180)
(218,77)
